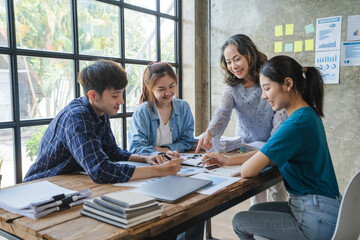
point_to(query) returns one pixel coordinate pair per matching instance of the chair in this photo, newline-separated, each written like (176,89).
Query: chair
(348,222)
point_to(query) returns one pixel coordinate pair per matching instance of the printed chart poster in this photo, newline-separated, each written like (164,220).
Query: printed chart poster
(353,31)
(350,54)
(328,64)
(328,33)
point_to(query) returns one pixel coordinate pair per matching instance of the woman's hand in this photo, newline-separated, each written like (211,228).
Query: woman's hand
(205,141)
(214,158)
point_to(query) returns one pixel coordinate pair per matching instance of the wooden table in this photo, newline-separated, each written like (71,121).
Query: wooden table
(176,218)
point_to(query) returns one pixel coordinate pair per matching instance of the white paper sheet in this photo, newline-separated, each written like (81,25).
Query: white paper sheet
(353,31)
(328,33)
(328,64)
(218,182)
(32,194)
(350,54)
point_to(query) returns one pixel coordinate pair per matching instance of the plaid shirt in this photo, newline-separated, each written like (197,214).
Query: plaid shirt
(76,140)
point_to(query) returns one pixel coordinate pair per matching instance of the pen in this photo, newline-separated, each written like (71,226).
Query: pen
(166,156)
(203,161)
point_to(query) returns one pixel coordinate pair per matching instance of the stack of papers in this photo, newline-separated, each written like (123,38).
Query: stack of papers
(228,144)
(123,209)
(35,200)
(248,147)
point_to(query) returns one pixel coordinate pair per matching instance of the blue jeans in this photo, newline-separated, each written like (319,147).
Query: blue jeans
(303,217)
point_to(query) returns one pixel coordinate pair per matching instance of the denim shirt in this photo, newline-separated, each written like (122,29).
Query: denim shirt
(145,122)
(78,140)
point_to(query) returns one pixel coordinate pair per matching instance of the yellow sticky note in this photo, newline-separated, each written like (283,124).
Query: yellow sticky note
(97,43)
(278,47)
(298,46)
(278,30)
(289,29)
(309,45)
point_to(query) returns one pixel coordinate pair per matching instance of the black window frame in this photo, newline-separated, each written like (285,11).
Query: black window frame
(13,52)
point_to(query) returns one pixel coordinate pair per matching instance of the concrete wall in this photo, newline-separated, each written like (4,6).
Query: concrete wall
(257,19)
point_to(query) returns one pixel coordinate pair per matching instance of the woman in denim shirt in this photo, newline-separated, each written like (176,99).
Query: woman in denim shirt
(299,148)
(162,123)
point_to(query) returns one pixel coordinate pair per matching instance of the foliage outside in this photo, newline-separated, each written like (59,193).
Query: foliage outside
(47,26)
(32,145)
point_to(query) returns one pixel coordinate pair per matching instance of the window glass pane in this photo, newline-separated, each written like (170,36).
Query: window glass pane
(98,28)
(127,130)
(150,4)
(117,129)
(140,38)
(167,40)
(167,6)
(43,25)
(45,86)
(5,90)
(30,141)
(7,157)
(3,25)
(133,89)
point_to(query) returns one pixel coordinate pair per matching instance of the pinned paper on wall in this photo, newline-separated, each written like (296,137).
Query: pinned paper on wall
(353,31)
(298,46)
(289,29)
(309,45)
(328,33)
(289,47)
(328,64)
(278,30)
(97,43)
(278,47)
(309,28)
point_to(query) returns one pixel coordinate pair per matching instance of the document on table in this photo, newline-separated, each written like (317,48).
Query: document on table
(191,159)
(218,182)
(31,195)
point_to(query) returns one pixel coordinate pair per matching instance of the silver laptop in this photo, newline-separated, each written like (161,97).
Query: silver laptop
(172,188)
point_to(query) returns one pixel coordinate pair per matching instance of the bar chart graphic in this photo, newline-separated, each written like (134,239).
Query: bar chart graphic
(328,64)
(328,34)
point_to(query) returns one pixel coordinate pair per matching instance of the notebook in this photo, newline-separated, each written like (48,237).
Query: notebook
(128,221)
(114,221)
(123,212)
(127,199)
(172,188)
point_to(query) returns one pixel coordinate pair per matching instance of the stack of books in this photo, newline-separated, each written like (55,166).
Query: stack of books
(123,209)
(35,200)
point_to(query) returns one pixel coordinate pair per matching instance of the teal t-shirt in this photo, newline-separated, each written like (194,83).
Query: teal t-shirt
(300,150)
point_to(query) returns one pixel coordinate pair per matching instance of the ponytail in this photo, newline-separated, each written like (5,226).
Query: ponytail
(313,93)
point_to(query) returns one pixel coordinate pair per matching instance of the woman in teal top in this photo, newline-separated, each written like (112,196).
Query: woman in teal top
(300,150)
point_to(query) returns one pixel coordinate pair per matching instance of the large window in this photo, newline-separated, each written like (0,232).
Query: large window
(44,45)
